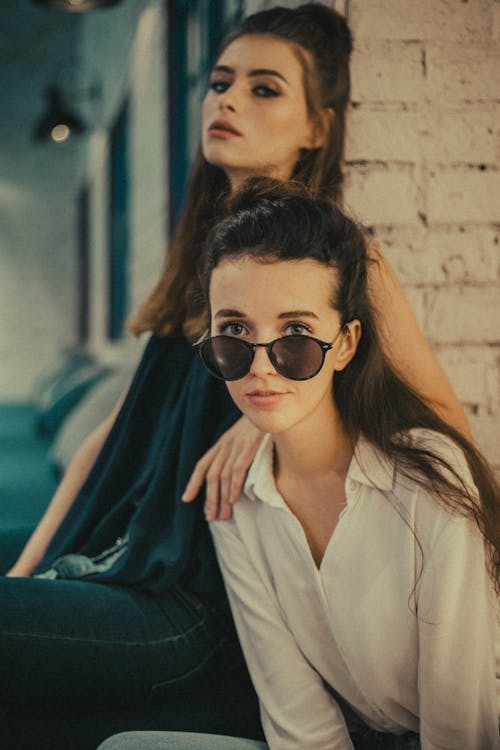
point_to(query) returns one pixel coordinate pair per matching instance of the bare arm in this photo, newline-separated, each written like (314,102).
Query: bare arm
(64,496)
(406,346)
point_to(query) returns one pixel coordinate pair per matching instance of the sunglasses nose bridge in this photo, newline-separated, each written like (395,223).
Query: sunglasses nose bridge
(261,361)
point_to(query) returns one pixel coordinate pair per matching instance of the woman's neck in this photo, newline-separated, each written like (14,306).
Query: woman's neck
(238,177)
(311,464)
(313,449)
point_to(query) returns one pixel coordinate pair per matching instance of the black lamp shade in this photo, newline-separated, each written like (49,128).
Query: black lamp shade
(77,6)
(58,124)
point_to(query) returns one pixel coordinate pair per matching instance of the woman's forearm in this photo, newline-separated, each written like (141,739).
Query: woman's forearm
(63,498)
(407,347)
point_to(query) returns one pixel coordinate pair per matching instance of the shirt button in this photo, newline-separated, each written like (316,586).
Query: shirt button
(119,540)
(352,485)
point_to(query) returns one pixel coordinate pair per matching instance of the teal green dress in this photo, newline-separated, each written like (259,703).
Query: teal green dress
(128,518)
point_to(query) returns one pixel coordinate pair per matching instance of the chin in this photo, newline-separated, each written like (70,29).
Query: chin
(270,423)
(215,152)
(217,156)
(220,163)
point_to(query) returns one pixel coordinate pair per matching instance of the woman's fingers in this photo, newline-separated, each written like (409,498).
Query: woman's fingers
(213,493)
(198,476)
(225,509)
(224,468)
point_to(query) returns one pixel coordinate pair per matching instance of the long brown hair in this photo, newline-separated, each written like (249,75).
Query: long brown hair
(270,222)
(321,40)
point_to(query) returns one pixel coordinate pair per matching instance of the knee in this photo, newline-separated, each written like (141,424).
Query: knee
(155,740)
(150,740)
(123,741)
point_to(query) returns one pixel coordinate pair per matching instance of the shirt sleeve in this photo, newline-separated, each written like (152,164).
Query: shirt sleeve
(457,628)
(296,710)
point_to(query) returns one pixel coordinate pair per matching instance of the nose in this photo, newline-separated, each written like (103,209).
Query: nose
(229,99)
(261,364)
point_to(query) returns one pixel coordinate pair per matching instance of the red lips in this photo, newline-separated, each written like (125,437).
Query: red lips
(265,398)
(264,393)
(223,126)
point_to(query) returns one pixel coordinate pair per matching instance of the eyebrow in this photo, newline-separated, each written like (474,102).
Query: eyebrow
(252,73)
(231,313)
(297,314)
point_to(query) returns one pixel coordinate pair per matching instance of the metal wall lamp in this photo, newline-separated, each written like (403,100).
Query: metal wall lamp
(58,124)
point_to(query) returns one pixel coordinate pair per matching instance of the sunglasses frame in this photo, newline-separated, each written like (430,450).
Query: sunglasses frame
(324,346)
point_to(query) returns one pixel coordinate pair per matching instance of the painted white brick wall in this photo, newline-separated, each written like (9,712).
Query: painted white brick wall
(148,150)
(136,69)
(422,173)
(37,285)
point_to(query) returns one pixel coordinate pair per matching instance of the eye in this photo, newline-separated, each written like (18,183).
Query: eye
(232,328)
(219,86)
(265,91)
(297,329)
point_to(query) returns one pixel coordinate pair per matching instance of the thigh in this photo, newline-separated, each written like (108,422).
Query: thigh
(178,741)
(81,644)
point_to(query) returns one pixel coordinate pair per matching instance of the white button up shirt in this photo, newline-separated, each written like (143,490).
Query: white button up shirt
(399,619)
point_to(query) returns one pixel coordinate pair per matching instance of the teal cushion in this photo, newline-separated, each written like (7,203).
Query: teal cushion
(58,393)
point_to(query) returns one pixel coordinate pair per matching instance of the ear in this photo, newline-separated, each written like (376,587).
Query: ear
(348,344)
(321,127)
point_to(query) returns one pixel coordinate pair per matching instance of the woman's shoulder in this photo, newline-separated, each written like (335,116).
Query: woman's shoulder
(423,437)
(427,501)
(412,490)
(440,447)
(389,471)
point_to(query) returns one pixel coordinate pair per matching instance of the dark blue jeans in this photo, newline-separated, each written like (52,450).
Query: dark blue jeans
(80,660)
(368,739)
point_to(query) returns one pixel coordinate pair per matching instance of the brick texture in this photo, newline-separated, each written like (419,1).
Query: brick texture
(422,19)
(422,173)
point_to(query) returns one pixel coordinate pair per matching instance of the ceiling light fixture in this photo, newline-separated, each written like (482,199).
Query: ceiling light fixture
(77,6)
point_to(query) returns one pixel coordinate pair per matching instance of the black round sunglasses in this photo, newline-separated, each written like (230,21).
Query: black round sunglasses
(295,357)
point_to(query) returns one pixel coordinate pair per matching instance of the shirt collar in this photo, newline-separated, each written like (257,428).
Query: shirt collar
(369,467)
(260,484)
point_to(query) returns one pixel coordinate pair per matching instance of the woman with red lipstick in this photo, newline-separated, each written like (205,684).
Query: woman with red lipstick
(275,106)
(362,561)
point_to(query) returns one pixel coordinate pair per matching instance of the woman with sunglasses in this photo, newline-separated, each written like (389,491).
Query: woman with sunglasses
(275,105)
(362,559)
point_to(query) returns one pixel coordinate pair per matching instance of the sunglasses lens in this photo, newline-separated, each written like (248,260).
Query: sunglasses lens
(297,357)
(294,357)
(226,357)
